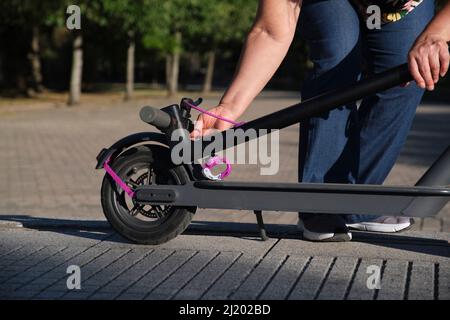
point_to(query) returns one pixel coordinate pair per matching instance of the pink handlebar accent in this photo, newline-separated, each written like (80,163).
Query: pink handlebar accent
(236,124)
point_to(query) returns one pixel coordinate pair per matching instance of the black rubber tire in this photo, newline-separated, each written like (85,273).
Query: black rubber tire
(131,228)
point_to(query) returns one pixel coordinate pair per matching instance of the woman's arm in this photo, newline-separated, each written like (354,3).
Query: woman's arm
(265,48)
(429,57)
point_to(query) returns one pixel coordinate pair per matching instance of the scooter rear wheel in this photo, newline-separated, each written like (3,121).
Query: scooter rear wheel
(145,224)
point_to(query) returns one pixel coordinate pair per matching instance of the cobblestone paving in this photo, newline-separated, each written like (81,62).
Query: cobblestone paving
(47,157)
(196,266)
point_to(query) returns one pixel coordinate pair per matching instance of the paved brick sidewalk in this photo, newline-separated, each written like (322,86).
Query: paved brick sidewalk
(205,265)
(48,155)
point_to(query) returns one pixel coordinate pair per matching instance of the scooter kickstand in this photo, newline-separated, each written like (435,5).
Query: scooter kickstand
(261,227)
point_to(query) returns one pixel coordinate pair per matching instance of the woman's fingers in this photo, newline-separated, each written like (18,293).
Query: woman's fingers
(198,128)
(425,72)
(435,68)
(444,58)
(223,125)
(206,124)
(414,70)
(428,60)
(210,132)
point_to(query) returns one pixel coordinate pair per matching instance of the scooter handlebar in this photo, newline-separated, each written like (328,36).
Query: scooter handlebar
(156,117)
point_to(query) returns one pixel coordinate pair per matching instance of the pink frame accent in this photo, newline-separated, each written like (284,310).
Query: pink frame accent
(117,179)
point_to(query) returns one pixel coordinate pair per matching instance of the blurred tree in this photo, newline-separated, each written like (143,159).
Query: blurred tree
(172,25)
(218,23)
(29,16)
(76,74)
(124,15)
(35,43)
(164,23)
(91,13)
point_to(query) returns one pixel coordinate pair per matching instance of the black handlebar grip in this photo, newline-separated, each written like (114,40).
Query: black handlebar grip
(156,117)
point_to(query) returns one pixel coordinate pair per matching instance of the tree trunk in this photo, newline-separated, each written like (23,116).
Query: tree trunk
(77,70)
(175,67)
(207,85)
(130,69)
(2,76)
(35,61)
(168,69)
(21,83)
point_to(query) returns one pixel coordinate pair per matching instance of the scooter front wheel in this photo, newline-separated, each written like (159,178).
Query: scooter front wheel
(144,224)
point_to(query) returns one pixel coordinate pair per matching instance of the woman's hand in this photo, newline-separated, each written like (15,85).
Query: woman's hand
(264,49)
(429,59)
(206,124)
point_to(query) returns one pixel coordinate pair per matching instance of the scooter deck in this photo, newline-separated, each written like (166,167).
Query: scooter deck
(416,201)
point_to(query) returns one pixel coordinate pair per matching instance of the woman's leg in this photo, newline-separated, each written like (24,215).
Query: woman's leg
(327,144)
(385,118)
(331,30)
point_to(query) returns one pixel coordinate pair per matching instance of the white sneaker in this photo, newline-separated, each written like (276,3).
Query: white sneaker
(324,228)
(384,224)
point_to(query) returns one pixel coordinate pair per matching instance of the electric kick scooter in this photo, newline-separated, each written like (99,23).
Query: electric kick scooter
(150,200)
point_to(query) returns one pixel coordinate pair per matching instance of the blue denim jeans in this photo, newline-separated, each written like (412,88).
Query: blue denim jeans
(350,144)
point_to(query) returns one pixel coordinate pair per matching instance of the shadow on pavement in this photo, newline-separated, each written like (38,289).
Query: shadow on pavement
(407,241)
(101,230)
(89,229)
